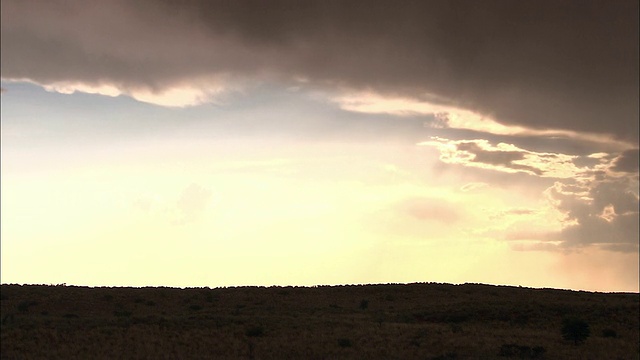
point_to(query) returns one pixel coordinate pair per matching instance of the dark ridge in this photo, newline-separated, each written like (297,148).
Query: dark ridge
(383,321)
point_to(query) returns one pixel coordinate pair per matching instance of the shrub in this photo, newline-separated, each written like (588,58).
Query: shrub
(364,304)
(455,328)
(576,330)
(24,306)
(447,356)
(344,342)
(522,351)
(256,331)
(122,313)
(609,333)
(520,319)
(7,319)
(538,352)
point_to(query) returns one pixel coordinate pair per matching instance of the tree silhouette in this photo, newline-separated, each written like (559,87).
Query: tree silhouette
(575,329)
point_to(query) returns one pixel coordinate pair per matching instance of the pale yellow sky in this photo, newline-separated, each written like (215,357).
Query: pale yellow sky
(179,212)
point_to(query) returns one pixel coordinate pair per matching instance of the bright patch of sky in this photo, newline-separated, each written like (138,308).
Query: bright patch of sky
(279,179)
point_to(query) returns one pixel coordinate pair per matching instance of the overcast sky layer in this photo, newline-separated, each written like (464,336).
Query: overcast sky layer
(227,143)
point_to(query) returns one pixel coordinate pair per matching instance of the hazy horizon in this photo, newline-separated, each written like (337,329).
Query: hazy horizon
(197,143)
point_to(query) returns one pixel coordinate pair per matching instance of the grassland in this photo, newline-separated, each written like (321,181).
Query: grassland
(394,321)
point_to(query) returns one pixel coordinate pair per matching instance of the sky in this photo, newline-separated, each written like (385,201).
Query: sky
(216,143)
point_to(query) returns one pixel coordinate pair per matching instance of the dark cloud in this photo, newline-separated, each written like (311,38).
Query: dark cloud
(620,234)
(627,161)
(603,213)
(502,157)
(597,194)
(491,157)
(496,157)
(543,64)
(621,247)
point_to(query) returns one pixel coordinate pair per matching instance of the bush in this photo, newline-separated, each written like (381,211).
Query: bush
(24,306)
(522,351)
(256,331)
(609,333)
(447,356)
(122,313)
(7,319)
(364,304)
(344,342)
(520,319)
(576,330)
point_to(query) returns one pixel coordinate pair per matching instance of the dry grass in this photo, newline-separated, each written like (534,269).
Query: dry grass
(415,321)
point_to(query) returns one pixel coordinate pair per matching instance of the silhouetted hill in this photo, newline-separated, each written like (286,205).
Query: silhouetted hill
(394,321)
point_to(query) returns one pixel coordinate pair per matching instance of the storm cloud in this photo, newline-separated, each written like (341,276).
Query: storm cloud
(503,157)
(569,65)
(596,195)
(627,161)
(598,212)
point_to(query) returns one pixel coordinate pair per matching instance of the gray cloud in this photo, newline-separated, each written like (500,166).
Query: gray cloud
(627,161)
(597,194)
(544,64)
(491,157)
(503,157)
(497,157)
(598,212)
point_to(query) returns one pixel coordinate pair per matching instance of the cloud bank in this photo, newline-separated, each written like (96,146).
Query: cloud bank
(569,65)
(596,195)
